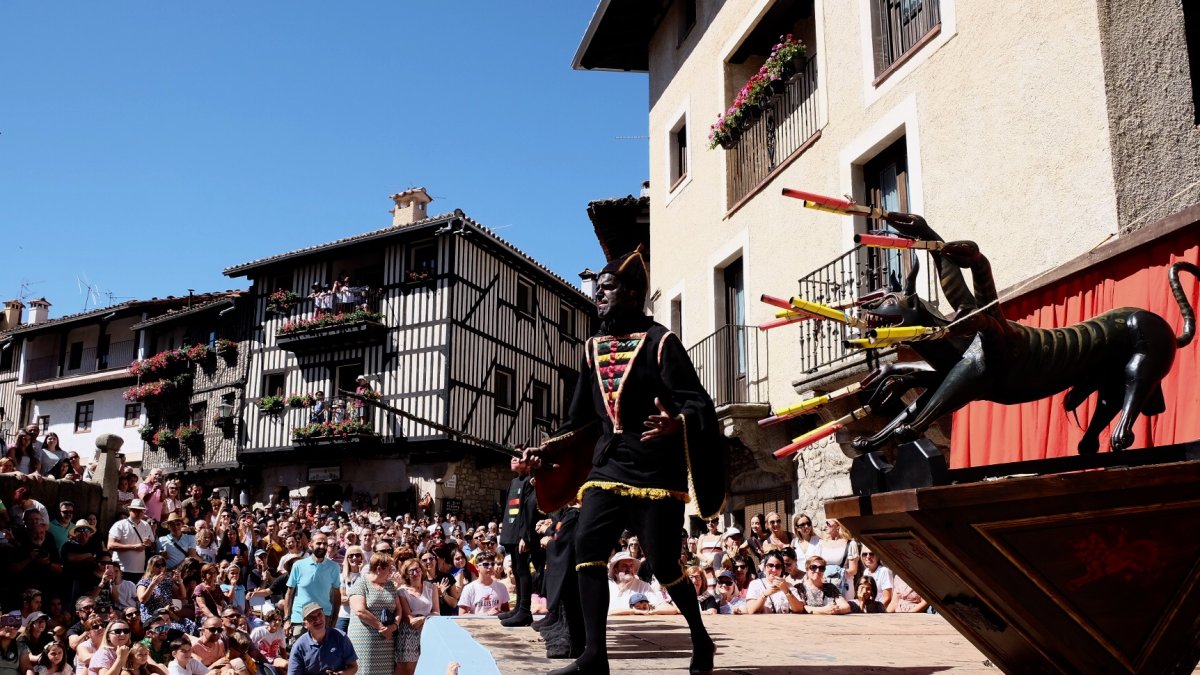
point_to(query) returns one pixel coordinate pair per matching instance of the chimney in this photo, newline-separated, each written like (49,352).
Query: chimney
(12,314)
(587,282)
(410,206)
(39,310)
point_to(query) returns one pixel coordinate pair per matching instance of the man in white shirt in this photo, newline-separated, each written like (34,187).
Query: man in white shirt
(623,583)
(485,595)
(129,539)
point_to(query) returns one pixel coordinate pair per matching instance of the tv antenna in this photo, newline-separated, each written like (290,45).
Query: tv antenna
(27,289)
(91,292)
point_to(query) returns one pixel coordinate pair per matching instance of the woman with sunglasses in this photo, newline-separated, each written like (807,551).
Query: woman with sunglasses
(422,600)
(805,537)
(777,538)
(772,594)
(157,588)
(113,655)
(352,566)
(89,644)
(376,613)
(881,573)
(841,556)
(820,596)
(708,600)
(744,572)
(443,583)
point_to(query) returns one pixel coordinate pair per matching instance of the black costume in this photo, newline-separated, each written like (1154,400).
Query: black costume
(520,522)
(634,484)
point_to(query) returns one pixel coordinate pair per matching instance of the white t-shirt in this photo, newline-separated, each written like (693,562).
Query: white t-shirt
(272,645)
(618,597)
(776,603)
(194,667)
(123,532)
(883,579)
(481,599)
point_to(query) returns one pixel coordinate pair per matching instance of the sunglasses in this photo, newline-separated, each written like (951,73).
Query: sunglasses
(816,568)
(741,567)
(774,522)
(119,631)
(413,573)
(868,553)
(726,582)
(352,556)
(487,564)
(803,524)
(426,560)
(773,566)
(214,629)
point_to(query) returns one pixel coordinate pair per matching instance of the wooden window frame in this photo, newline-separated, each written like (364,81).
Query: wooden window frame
(540,405)
(266,387)
(136,409)
(528,308)
(510,405)
(85,412)
(679,155)
(888,61)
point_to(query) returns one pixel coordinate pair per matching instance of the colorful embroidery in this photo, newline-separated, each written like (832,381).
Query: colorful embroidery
(613,355)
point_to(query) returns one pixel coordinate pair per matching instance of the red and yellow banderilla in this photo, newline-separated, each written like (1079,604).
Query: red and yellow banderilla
(877,338)
(797,409)
(891,241)
(823,431)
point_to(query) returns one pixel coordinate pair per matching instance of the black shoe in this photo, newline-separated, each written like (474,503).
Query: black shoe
(702,659)
(560,652)
(504,615)
(597,668)
(519,618)
(549,618)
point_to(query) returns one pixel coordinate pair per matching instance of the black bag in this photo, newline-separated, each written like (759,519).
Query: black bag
(388,616)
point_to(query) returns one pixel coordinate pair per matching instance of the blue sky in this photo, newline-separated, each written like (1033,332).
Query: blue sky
(146,146)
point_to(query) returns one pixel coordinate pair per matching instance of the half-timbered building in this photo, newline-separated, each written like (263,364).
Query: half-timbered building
(445,321)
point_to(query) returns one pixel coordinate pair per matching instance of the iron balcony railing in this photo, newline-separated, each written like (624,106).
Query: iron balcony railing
(119,355)
(788,121)
(842,283)
(733,364)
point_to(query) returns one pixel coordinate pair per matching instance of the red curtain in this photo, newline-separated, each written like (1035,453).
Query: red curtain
(989,433)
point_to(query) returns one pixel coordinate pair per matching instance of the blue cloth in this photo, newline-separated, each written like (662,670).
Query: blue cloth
(167,547)
(309,658)
(313,582)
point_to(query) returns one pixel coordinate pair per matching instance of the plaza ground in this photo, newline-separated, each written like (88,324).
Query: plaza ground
(887,644)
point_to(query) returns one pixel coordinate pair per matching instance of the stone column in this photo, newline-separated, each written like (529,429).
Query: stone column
(107,467)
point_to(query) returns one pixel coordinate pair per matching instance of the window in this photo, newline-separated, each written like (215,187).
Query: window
(83,415)
(133,414)
(677,316)
(687,20)
(345,378)
(504,388)
(567,378)
(102,347)
(541,402)
(199,413)
(75,357)
(899,28)
(422,261)
(565,325)
(273,384)
(44,423)
(525,296)
(679,154)
(886,181)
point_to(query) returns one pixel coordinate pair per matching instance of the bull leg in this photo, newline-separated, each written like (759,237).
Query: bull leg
(881,437)
(1140,383)
(1143,372)
(1107,407)
(964,383)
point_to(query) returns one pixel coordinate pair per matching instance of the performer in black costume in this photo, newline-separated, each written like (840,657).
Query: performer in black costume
(521,540)
(562,629)
(659,447)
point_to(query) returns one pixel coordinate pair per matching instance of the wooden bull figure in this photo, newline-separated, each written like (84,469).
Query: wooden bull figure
(1123,354)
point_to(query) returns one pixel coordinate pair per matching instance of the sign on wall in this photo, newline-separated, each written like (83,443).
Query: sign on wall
(324,474)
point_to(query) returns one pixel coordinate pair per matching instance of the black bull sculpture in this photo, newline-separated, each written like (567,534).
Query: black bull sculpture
(1123,354)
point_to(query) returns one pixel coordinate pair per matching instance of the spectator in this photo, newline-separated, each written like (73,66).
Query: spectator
(11,654)
(196,507)
(140,663)
(728,601)
(80,562)
(776,537)
(22,501)
(152,495)
(708,545)
(375,613)
(130,538)
(320,409)
(820,596)
(772,594)
(437,570)
(358,407)
(791,569)
(270,638)
(758,534)
(293,549)
(880,573)
(841,556)
(206,548)
(633,547)
(182,660)
(113,655)
(905,600)
(176,545)
(157,589)
(864,598)
(157,638)
(33,639)
(421,598)
(89,643)
(35,561)
(623,582)
(708,600)
(173,501)
(24,455)
(313,579)
(207,597)
(84,608)
(351,570)
(485,595)
(743,573)
(53,661)
(60,527)
(126,487)
(133,617)
(805,538)
(260,579)
(319,649)
(50,455)
(208,647)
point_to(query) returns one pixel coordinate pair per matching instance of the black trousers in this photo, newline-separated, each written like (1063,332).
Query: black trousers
(535,555)
(658,524)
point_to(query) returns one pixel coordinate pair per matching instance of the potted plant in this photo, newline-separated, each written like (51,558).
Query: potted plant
(282,301)
(164,438)
(146,432)
(188,434)
(757,94)
(270,404)
(226,348)
(299,400)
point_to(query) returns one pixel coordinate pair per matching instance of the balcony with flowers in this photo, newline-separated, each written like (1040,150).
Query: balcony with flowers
(344,325)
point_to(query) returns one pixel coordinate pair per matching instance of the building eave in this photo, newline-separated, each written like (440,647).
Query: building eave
(618,36)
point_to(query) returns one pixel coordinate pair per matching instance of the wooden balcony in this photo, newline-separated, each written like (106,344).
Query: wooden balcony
(356,324)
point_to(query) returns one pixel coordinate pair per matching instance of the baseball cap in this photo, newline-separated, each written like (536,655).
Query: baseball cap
(636,598)
(309,608)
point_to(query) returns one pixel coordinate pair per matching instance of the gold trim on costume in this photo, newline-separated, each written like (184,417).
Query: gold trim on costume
(612,399)
(687,456)
(682,578)
(594,563)
(626,490)
(563,437)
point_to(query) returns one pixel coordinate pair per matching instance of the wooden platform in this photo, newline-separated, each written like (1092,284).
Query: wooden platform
(1086,572)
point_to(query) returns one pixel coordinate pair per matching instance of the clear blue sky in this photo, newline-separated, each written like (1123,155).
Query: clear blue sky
(146,146)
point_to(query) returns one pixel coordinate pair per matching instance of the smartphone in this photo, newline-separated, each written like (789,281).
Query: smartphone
(234,550)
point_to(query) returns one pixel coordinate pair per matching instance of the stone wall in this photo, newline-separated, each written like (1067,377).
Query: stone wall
(480,482)
(88,497)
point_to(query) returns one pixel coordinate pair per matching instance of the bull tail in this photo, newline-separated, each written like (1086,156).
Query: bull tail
(1185,307)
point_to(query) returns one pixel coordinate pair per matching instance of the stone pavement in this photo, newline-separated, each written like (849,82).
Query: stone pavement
(875,644)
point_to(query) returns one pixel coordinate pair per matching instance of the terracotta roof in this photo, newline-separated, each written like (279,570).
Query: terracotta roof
(443,219)
(127,305)
(173,314)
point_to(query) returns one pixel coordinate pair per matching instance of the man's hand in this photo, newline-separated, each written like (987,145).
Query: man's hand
(533,456)
(522,547)
(660,425)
